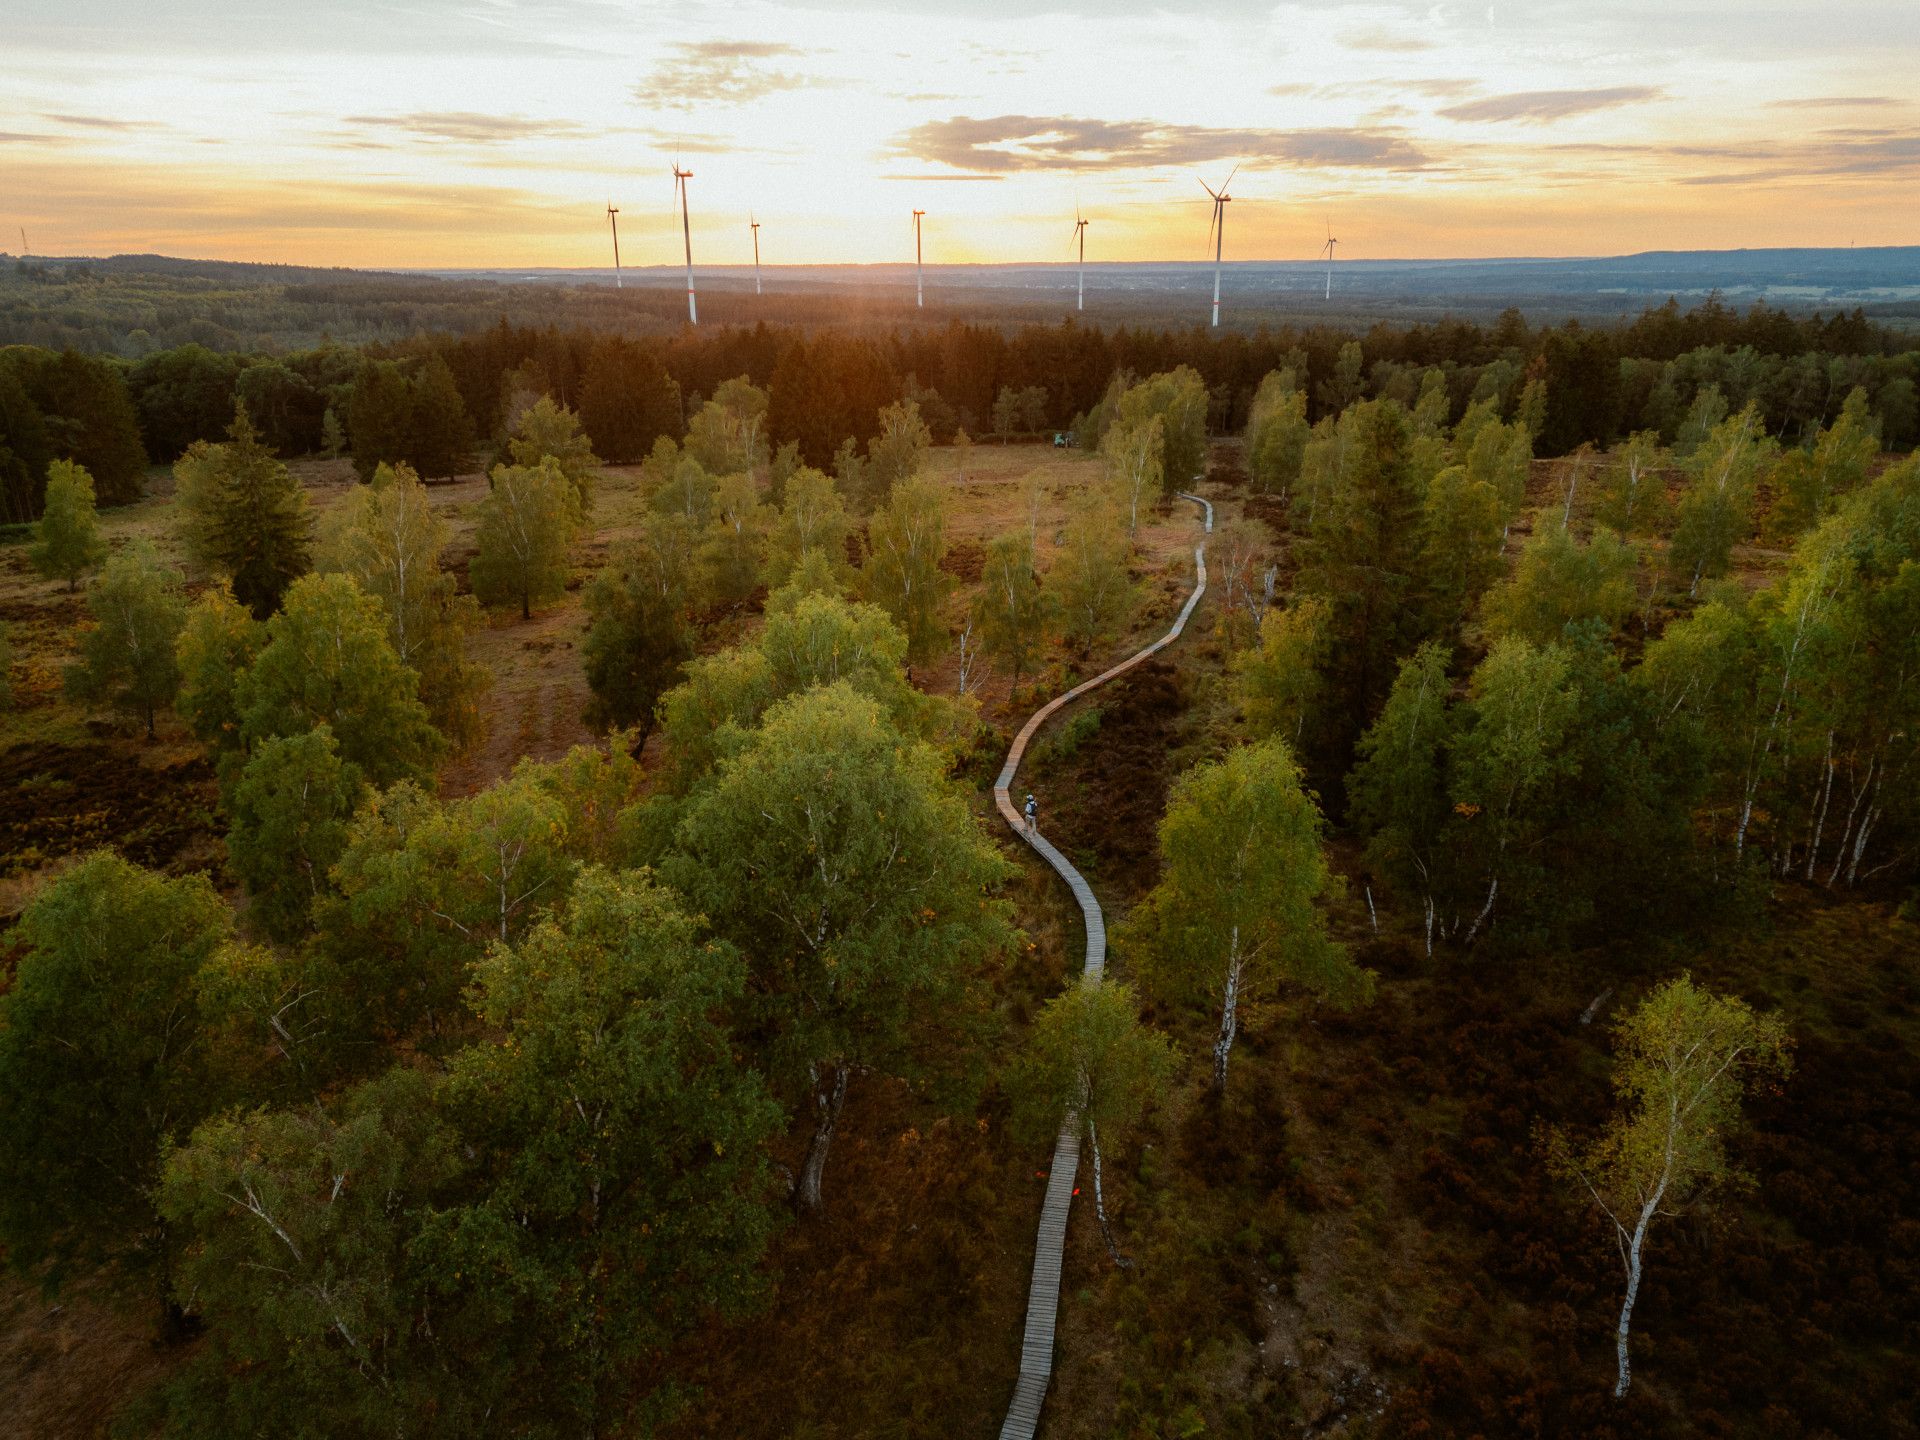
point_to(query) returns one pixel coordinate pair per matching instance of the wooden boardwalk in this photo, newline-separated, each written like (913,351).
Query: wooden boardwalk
(1043,1294)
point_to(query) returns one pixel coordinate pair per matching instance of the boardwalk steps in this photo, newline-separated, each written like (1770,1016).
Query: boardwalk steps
(1043,1293)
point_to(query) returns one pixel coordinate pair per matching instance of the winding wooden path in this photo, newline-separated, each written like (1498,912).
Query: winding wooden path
(1043,1294)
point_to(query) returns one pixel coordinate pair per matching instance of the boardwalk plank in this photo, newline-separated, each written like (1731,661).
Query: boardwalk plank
(1043,1292)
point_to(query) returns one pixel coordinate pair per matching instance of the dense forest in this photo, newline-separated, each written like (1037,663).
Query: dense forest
(1513,876)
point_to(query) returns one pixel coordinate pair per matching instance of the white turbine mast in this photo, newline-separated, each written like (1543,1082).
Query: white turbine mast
(1331,242)
(754,225)
(1217,232)
(613,219)
(680,178)
(919,279)
(1080,234)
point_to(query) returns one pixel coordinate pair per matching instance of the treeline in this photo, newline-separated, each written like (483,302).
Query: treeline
(827,384)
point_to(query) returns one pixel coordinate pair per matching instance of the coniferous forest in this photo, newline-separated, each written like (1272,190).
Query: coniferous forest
(508,931)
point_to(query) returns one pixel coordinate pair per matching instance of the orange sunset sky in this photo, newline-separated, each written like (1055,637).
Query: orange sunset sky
(493,132)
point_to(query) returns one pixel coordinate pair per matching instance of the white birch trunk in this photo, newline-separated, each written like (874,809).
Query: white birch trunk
(1229,1014)
(829,1094)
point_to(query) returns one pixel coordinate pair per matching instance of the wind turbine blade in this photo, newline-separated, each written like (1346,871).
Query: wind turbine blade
(1230,174)
(1210,190)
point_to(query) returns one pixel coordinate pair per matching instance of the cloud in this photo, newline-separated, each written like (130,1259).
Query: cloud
(1856,154)
(1541,105)
(21,137)
(1835,102)
(720,72)
(1004,144)
(465,127)
(1381,39)
(99,122)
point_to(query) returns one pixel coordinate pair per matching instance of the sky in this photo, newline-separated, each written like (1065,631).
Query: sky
(494,133)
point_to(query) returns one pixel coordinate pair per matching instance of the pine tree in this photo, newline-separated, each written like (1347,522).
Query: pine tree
(245,516)
(440,432)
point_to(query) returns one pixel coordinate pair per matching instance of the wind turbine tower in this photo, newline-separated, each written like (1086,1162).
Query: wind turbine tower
(1080,233)
(1331,242)
(1217,232)
(919,281)
(680,178)
(754,225)
(613,219)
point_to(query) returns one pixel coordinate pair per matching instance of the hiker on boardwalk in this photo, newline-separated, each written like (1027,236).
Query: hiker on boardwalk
(1033,815)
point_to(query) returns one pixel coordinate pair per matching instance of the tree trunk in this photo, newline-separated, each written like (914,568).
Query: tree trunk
(1100,1201)
(526,606)
(1229,1015)
(829,1094)
(1633,1291)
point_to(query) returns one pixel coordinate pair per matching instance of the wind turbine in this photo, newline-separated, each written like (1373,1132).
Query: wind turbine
(1331,242)
(754,225)
(1217,232)
(613,219)
(919,281)
(680,178)
(1080,234)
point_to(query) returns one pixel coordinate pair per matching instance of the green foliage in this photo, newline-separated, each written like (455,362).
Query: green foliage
(1277,434)
(25,449)
(1633,491)
(388,539)
(550,431)
(1704,416)
(425,887)
(327,661)
(100,1060)
(380,416)
(681,485)
(896,454)
(1558,582)
(622,1154)
(127,657)
(1135,453)
(1233,914)
(735,548)
(284,405)
(86,416)
(1019,410)
(1716,509)
(729,434)
(333,435)
(1809,482)
(830,849)
(812,518)
(1011,609)
(814,575)
(908,540)
(289,813)
(1089,585)
(67,540)
(638,639)
(627,400)
(184,396)
(244,516)
(528,522)
(217,643)
(1088,1050)
(300,1228)
(1462,535)
(1397,790)
(1278,684)
(440,432)
(1179,398)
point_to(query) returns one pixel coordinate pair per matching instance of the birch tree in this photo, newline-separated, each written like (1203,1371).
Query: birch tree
(387,537)
(1234,915)
(1715,511)
(66,538)
(638,638)
(1397,789)
(833,852)
(812,517)
(1633,487)
(1011,610)
(217,643)
(1088,582)
(289,812)
(1559,580)
(1277,433)
(127,656)
(1136,462)
(528,522)
(1685,1058)
(550,431)
(903,574)
(1279,683)
(102,1061)
(1089,1057)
